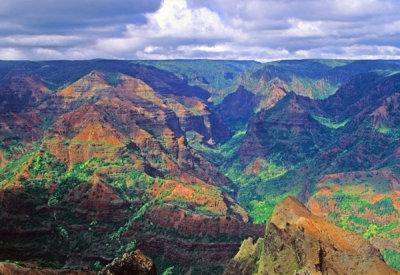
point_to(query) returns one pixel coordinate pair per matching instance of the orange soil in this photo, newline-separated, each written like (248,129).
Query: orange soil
(370,215)
(325,191)
(297,85)
(187,193)
(295,213)
(376,198)
(275,93)
(255,168)
(67,92)
(395,194)
(95,132)
(139,88)
(316,208)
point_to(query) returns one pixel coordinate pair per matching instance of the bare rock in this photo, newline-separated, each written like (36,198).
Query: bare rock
(135,263)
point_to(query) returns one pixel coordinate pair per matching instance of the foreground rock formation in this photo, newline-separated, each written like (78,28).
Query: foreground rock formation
(133,263)
(298,242)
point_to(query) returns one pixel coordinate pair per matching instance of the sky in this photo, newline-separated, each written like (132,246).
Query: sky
(184,29)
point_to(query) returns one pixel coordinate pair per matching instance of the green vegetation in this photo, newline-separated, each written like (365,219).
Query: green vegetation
(261,210)
(113,79)
(130,246)
(229,148)
(10,146)
(328,123)
(168,271)
(260,184)
(12,168)
(333,62)
(63,232)
(389,132)
(347,201)
(163,264)
(260,191)
(371,231)
(258,171)
(45,163)
(210,153)
(351,202)
(97,267)
(392,257)
(219,74)
(138,215)
(304,77)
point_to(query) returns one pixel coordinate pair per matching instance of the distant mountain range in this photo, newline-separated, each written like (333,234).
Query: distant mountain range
(184,159)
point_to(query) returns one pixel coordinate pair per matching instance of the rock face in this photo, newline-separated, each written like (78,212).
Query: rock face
(134,263)
(298,242)
(13,269)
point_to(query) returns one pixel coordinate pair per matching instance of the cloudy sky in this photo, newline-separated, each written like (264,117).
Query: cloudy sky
(218,29)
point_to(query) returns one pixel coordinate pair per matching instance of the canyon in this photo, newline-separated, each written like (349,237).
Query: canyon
(185,160)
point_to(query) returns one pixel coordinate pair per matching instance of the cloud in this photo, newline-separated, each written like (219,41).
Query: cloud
(10,54)
(41,40)
(164,29)
(303,29)
(172,27)
(38,16)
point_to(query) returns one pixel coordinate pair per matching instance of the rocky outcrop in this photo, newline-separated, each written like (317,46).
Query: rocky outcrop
(298,242)
(23,269)
(133,263)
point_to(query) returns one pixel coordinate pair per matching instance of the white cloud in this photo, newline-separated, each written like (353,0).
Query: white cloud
(173,25)
(303,29)
(391,28)
(41,40)
(251,29)
(174,18)
(10,54)
(353,8)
